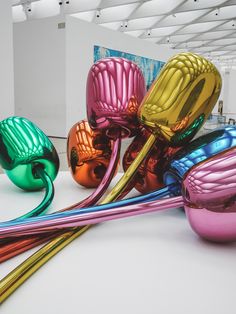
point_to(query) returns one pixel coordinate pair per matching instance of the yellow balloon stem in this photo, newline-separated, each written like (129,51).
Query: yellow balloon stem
(20,274)
(130,172)
(26,269)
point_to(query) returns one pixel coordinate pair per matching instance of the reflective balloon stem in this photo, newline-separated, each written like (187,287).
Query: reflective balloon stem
(129,174)
(19,275)
(20,246)
(43,206)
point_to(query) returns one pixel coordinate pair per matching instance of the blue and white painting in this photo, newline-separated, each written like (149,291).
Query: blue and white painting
(149,67)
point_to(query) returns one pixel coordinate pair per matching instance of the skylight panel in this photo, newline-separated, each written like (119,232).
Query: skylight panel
(18,14)
(206,48)
(182,18)
(152,39)
(224,41)
(114,25)
(134,33)
(86,16)
(156,7)
(111,3)
(213,35)
(15,2)
(230,25)
(221,13)
(142,23)
(201,4)
(82,5)
(44,8)
(117,13)
(199,27)
(192,44)
(218,53)
(230,47)
(179,38)
(164,31)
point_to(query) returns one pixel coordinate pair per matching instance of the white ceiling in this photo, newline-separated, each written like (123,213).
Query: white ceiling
(207,27)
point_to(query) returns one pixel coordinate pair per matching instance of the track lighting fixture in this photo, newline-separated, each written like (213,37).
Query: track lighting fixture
(60,2)
(217,12)
(27,7)
(98,13)
(124,24)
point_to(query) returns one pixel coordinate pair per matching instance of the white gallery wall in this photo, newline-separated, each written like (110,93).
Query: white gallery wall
(39,57)
(6,60)
(230,93)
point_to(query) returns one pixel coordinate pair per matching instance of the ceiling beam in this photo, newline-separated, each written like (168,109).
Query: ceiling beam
(212,29)
(193,21)
(23,2)
(169,13)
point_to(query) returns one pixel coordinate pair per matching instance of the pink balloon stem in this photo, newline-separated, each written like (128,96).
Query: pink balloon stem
(94,217)
(14,247)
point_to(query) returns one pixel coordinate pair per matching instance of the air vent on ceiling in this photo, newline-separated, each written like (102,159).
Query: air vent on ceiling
(61,25)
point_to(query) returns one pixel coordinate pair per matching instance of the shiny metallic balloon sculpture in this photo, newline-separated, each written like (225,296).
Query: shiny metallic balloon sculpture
(29,159)
(115,88)
(199,150)
(88,154)
(208,193)
(149,176)
(184,103)
(208,197)
(31,162)
(174,109)
(182,97)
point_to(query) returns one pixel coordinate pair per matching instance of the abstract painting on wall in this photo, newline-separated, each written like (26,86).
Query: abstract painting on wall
(149,67)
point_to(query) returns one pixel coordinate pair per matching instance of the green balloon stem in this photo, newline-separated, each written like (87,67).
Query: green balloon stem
(39,172)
